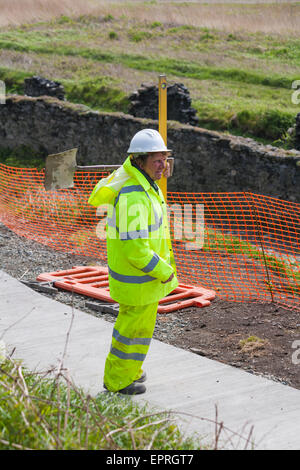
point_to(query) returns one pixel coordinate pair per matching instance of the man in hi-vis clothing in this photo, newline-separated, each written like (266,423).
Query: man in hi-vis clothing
(139,254)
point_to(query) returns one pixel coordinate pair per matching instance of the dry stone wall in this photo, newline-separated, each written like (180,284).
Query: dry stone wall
(39,86)
(205,161)
(144,103)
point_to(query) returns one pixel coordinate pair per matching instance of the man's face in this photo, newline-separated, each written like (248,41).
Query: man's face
(155,164)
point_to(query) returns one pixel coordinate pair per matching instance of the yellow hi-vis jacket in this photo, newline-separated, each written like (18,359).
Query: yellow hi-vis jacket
(139,251)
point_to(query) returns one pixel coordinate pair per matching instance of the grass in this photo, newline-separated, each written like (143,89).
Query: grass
(215,240)
(22,156)
(254,346)
(100,93)
(247,15)
(240,80)
(48,412)
(17,11)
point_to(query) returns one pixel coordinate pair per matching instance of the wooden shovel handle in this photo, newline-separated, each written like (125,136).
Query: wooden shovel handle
(114,167)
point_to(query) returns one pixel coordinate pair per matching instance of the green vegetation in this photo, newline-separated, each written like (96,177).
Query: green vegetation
(14,79)
(22,156)
(112,35)
(240,82)
(250,339)
(254,345)
(100,93)
(137,36)
(44,413)
(215,240)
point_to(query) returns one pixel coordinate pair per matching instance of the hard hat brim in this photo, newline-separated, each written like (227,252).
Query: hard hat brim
(149,151)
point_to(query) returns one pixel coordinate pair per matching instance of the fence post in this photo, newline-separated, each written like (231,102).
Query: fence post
(162,123)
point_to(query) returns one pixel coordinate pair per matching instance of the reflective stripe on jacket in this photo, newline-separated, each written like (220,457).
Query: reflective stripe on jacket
(139,250)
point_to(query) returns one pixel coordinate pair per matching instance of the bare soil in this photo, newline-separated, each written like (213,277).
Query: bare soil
(219,330)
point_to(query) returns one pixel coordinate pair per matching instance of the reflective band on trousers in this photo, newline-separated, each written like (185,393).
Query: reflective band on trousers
(123,364)
(130,341)
(130,279)
(130,356)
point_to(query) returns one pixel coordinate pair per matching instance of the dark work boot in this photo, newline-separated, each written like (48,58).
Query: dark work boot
(142,378)
(133,389)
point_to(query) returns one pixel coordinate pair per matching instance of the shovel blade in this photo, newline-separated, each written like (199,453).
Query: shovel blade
(60,169)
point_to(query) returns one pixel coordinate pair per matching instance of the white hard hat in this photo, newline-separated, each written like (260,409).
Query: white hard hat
(147,140)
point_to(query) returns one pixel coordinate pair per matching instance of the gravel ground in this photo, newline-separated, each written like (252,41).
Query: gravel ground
(217,332)
(25,259)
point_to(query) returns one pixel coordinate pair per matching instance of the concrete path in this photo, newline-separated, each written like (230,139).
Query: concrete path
(178,380)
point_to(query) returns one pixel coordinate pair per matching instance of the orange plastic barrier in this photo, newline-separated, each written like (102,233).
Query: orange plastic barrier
(86,280)
(92,281)
(251,248)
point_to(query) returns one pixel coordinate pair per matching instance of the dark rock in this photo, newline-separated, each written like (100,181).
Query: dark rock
(297,132)
(144,103)
(38,86)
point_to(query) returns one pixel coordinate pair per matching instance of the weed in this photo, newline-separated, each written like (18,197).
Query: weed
(48,412)
(156,24)
(254,346)
(232,37)
(137,36)
(206,37)
(63,19)
(179,29)
(108,18)
(112,35)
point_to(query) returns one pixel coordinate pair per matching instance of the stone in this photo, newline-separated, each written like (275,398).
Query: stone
(198,351)
(39,86)
(144,103)
(297,132)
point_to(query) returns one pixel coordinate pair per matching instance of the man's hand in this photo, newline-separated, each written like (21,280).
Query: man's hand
(168,280)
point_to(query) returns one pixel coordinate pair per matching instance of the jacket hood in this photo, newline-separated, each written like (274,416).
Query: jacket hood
(108,188)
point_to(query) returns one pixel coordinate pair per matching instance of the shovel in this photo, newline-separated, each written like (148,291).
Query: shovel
(60,169)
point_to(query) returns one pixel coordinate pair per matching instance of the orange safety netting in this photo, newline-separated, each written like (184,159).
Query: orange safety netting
(249,245)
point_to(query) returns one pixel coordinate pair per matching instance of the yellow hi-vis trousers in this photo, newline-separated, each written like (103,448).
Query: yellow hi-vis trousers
(131,339)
